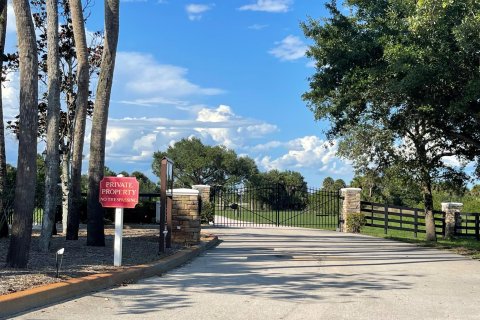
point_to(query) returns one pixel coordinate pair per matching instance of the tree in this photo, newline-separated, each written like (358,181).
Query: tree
(281,190)
(69,66)
(339,184)
(81,109)
(19,248)
(196,163)
(391,185)
(3,160)
(328,184)
(475,191)
(146,185)
(95,227)
(53,119)
(380,81)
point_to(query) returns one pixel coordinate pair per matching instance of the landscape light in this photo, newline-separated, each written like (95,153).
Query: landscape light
(59,254)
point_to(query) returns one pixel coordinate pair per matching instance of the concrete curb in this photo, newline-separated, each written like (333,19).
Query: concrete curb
(21,301)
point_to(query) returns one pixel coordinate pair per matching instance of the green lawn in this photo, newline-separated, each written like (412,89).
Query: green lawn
(295,218)
(466,245)
(463,245)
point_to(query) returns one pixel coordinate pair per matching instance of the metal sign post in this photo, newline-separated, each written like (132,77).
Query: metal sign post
(118,192)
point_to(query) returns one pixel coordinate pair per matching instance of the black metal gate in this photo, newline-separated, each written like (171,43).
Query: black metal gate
(276,205)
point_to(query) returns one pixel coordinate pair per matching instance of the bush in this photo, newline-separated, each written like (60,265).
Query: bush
(206,214)
(355,222)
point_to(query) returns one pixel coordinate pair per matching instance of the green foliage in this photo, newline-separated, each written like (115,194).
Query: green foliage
(399,82)
(281,190)
(328,184)
(196,163)
(107,172)
(391,185)
(207,212)
(355,222)
(146,185)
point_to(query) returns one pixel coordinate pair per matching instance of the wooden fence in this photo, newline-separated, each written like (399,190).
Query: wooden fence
(391,217)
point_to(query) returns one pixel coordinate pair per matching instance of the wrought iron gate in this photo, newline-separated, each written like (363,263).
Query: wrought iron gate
(276,205)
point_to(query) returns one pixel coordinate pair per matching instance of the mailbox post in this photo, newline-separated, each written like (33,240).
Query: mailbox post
(166,193)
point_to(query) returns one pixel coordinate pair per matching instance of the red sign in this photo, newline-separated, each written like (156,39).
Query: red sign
(119,192)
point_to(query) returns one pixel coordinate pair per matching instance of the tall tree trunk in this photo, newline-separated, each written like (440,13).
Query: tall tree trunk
(65,177)
(80,118)
(95,227)
(53,118)
(429,218)
(19,248)
(3,161)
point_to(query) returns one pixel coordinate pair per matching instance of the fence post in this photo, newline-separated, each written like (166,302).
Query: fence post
(477,226)
(351,204)
(385,219)
(452,218)
(415,219)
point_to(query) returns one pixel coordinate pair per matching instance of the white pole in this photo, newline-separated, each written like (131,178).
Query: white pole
(117,250)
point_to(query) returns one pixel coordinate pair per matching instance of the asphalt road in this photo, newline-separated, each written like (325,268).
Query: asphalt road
(295,274)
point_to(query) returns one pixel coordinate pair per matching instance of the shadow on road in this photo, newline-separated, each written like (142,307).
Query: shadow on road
(306,268)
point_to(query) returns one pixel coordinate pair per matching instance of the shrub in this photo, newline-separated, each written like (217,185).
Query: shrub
(355,222)
(206,214)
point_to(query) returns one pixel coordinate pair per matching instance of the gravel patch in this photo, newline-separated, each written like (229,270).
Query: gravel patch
(140,246)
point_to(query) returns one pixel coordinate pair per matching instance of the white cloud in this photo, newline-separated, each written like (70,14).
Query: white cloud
(135,139)
(258,26)
(138,74)
(222,114)
(266,146)
(309,153)
(11,27)
(275,6)
(289,49)
(258,130)
(10,96)
(196,11)
(232,136)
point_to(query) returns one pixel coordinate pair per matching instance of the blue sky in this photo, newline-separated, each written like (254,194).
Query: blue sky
(229,72)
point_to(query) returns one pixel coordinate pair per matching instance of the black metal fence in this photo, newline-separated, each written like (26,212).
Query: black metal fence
(275,205)
(391,217)
(144,212)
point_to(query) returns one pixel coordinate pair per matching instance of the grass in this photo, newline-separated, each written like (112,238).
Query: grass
(462,245)
(297,218)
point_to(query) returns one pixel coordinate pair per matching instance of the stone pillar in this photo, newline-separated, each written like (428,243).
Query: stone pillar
(351,204)
(452,217)
(185,216)
(204,191)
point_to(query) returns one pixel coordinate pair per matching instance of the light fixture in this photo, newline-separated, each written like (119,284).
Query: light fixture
(58,255)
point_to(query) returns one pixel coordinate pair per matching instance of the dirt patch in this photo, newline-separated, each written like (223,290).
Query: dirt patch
(140,245)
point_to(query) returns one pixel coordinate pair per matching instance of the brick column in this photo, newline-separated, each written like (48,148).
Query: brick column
(185,216)
(351,204)
(204,191)
(452,217)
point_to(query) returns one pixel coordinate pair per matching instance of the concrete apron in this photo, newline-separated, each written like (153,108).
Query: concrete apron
(293,273)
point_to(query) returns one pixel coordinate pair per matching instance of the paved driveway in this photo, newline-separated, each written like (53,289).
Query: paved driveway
(295,274)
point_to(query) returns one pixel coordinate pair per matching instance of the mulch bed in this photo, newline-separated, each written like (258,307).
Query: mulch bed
(140,245)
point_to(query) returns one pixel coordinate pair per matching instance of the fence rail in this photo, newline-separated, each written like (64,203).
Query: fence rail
(391,217)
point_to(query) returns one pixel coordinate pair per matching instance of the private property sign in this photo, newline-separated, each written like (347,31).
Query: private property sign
(119,192)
